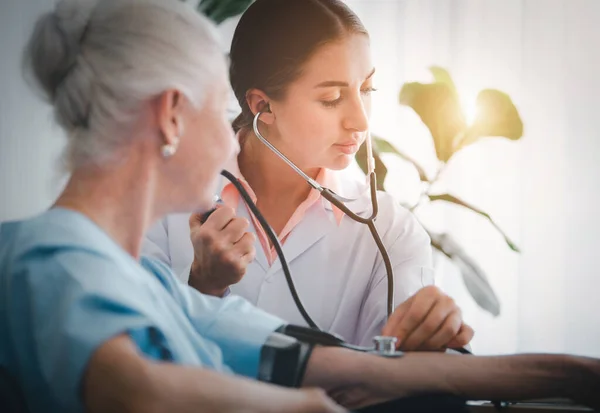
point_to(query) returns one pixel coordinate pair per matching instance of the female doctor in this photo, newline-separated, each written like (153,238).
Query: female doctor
(306,65)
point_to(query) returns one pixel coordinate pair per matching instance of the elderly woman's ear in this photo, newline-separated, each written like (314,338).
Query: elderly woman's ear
(170,114)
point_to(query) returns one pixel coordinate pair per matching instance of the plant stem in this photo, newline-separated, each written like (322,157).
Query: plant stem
(441,169)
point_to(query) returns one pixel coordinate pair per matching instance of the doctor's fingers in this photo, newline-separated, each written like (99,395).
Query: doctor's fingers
(234,230)
(443,315)
(245,244)
(244,261)
(464,337)
(410,314)
(239,255)
(446,332)
(217,220)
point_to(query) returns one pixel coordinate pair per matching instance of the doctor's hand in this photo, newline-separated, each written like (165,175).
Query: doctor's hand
(309,400)
(222,251)
(429,320)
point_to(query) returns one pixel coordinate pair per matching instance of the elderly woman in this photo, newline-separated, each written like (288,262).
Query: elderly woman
(140,88)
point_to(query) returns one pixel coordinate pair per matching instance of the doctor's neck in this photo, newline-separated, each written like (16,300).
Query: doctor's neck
(268,175)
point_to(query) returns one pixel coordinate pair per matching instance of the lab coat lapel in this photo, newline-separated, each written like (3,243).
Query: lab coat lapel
(352,189)
(260,257)
(315,225)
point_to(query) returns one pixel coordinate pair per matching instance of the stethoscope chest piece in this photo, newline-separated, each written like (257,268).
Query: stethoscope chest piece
(385,346)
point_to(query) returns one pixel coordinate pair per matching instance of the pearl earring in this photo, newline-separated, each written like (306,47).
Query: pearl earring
(169,150)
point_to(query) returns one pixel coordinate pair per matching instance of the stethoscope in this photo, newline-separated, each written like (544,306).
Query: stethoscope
(336,200)
(340,202)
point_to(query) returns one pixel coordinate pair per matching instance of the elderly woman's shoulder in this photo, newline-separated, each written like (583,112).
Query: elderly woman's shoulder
(57,245)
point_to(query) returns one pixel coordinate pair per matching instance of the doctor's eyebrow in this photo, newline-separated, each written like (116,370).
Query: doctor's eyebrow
(339,83)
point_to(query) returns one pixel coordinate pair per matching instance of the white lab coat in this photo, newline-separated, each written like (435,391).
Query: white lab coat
(337,269)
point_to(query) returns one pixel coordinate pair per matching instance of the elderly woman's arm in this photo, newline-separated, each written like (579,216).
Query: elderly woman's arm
(357,379)
(118,379)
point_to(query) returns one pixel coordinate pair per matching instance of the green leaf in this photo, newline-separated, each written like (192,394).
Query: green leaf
(441,75)
(454,200)
(383,146)
(220,10)
(438,107)
(473,276)
(380,168)
(497,116)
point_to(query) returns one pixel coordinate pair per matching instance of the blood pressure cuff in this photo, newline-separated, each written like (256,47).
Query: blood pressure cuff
(283,359)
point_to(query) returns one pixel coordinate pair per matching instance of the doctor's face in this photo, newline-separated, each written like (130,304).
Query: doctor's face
(323,117)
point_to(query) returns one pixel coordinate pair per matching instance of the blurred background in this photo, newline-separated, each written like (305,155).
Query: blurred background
(542,190)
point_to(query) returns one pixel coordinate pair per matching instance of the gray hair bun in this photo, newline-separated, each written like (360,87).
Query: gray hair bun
(54,46)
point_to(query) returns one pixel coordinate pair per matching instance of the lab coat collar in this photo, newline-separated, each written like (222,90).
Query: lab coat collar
(315,224)
(338,181)
(351,188)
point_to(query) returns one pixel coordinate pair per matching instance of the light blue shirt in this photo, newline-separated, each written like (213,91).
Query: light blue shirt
(66,287)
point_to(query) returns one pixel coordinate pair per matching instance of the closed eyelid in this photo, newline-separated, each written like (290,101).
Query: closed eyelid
(331,96)
(331,102)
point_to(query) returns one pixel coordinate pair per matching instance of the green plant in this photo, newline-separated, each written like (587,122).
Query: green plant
(220,10)
(438,106)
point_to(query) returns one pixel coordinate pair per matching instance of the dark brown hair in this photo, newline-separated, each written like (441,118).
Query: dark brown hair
(273,40)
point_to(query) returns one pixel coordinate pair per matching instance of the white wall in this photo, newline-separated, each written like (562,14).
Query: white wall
(29,141)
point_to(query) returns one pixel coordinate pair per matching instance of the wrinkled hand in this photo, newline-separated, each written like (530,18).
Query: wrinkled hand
(429,320)
(222,251)
(313,401)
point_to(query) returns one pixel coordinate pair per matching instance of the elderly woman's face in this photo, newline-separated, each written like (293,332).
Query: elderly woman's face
(206,146)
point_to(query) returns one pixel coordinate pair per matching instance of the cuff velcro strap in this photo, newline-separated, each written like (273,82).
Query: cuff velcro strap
(283,360)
